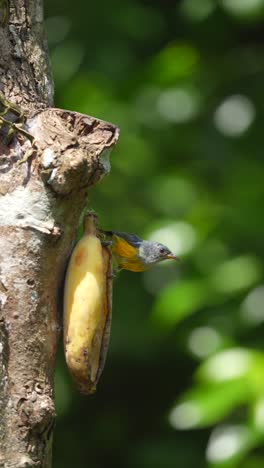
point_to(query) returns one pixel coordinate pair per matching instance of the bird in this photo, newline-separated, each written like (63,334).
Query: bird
(132,253)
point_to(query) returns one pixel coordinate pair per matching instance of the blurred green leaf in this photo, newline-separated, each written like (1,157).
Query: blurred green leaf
(236,274)
(252,461)
(178,301)
(228,445)
(175,62)
(207,404)
(234,363)
(257,414)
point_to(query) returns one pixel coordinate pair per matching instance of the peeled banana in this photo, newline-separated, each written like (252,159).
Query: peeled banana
(87,308)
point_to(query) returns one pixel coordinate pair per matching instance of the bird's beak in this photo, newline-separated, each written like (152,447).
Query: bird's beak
(173,257)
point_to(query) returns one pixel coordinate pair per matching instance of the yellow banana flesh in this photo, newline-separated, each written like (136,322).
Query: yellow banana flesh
(87,309)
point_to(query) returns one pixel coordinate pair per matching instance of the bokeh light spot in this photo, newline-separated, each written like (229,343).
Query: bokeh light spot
(234,116)
(227,365)
(203,341)
(243,7)
(252,309)
(197,10)
(236,274)
(178,104)
(185,416)
(225,442)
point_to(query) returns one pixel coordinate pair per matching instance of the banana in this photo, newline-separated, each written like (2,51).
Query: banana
(87,308)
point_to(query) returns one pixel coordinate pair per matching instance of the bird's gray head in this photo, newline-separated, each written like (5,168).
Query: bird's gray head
(154,252)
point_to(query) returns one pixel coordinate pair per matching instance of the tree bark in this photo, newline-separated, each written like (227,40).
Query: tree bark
(41,203)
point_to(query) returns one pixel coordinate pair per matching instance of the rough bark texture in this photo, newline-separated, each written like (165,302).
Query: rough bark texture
(41,202)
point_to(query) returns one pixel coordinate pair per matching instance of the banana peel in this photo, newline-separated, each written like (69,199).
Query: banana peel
(87,308)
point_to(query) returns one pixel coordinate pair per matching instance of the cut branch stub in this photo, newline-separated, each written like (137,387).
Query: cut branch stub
(73,149)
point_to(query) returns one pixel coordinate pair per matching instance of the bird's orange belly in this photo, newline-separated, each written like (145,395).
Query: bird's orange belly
(129,263)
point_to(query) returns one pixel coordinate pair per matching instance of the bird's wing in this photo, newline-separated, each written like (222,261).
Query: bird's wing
(129,238)
(123,249)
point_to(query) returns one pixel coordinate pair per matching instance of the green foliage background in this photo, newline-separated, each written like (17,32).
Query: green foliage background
(184,379)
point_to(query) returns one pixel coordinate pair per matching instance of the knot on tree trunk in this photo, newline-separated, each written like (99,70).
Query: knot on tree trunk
(36,412)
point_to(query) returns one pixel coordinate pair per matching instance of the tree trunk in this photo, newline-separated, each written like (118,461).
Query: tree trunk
(41,202)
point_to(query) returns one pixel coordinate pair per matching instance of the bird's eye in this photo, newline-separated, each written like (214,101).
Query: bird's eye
(162,250)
